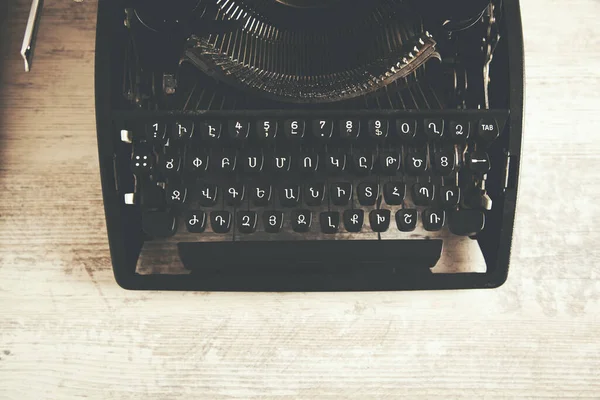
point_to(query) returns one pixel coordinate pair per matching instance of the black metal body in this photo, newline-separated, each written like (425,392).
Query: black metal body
(124,222)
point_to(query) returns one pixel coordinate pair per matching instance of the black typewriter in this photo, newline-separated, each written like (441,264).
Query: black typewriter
(309,145)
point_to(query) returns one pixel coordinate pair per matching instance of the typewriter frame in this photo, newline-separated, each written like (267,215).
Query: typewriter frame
(124,225)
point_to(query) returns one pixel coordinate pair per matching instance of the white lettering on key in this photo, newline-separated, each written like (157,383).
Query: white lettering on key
(341,192)
(307,162)
(289,194)
(176,195)
(273,220)
(197,162)
(389,161)
(369,191)
(362,162)
(434,219)
(294,127)
(424,191)
(170,164)
(380,219)
(407,219)
(234,193)
(206,193)
(314,193)
(301,219)
(280,162)
(220,220)
(433,126)
(331,225)
(378,130)
(182,130)
(354,219)
(260,193)
(335,162)
(460,130)
(395,191)
(225,162)
(449,195)
(417,162)
(211,131)
(252,162)
(193,221)
(405,128)
(246,221)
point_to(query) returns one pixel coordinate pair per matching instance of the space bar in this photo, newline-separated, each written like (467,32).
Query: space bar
(322,255)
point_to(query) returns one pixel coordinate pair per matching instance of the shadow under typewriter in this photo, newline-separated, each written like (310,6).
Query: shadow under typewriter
(301,145)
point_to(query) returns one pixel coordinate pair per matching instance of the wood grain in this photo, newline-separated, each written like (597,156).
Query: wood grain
(68,331)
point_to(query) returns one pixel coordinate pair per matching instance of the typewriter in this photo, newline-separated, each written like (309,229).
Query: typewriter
(309,145)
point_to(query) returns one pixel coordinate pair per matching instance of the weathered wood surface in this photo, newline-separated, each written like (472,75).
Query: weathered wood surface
(67,330)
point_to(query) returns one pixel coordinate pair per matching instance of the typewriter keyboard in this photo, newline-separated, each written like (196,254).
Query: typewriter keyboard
(294,178)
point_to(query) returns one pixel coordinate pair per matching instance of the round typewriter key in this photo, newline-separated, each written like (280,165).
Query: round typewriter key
(273,221)
(220,221)
(253,161)
(406,220)
(335,162)
(308,162)
(459,131)
(367,193)
(266,129)
(354,220)
(378,128)
(261,195)
(289,195)
(169,162)
(488,129)
(394,193)
(406,129)
(478,162)
(195,221)
(350,128)
(301,220)
(434,220)
(314,194)
(423,194)
(390,162)
(434,128)
(156,132)
(449,196)
(322,129)
(196,161)
(142,160)
(444,161)
(246,221)
(330,222)
(238,129)
(182,130)
(362,162)
(294,128)
(210,131)
(380,220)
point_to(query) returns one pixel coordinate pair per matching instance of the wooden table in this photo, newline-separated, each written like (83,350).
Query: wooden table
(68,331)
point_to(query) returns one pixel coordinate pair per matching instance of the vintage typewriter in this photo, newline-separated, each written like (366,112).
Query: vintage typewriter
(309,145)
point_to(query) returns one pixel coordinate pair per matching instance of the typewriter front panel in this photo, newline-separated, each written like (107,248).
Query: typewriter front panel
(244,131)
